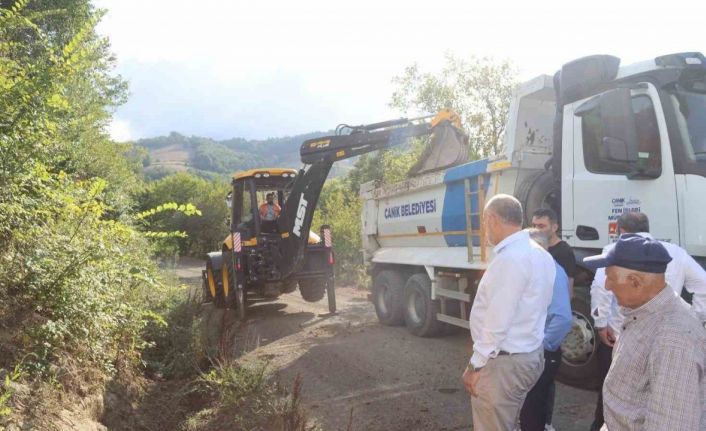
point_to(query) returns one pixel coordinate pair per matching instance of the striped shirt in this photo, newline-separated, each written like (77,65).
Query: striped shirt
(656,381)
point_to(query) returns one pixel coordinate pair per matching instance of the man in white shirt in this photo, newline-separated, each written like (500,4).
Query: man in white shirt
(682,272)
(507,319)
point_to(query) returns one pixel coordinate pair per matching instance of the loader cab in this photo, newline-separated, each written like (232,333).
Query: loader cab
(250,191)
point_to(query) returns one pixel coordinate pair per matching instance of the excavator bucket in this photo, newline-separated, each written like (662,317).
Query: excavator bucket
(448,146)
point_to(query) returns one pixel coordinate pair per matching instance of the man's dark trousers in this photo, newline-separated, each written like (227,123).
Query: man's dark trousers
(605,356)
(533,415)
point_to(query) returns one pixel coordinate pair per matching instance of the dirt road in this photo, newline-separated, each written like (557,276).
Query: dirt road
(387,378)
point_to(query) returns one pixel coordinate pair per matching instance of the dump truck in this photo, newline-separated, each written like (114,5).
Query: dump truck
(593,141)
(272,251)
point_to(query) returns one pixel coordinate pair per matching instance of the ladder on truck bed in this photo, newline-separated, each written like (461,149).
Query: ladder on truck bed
(479,194)
(451,285)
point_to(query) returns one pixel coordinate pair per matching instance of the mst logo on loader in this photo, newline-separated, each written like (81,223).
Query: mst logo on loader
(301,211)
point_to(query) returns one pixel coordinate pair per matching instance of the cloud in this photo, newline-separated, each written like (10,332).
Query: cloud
(120,130)
(256,69)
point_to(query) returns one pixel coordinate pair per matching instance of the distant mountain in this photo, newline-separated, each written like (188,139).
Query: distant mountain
(210,158)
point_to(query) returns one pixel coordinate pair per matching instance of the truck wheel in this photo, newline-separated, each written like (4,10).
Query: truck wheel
(579,363)
(419,310)
(539,191)
(388,294)
(312,290)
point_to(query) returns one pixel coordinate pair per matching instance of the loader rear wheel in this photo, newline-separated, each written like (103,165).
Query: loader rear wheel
(312,290)
(419,309)
(214,280)
(388,294)
(206,296)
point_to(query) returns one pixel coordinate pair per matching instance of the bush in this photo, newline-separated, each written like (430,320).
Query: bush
(340,208)
(245,397)
(204,233)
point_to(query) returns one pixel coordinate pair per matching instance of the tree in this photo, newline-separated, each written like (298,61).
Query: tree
(478,89)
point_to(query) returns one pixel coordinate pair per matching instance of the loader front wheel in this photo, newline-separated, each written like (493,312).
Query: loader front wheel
(312,290)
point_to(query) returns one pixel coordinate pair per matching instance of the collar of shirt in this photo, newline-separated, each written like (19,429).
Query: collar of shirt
(511,239)
(652,306)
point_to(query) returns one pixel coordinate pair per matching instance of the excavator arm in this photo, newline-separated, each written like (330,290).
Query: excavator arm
(321,153)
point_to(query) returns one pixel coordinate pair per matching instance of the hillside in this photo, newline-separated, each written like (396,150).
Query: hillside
(211,158)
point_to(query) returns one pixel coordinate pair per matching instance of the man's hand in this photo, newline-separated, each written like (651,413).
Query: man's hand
(606,335)
(470,380)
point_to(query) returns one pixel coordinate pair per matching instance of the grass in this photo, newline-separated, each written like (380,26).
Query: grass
(246,397)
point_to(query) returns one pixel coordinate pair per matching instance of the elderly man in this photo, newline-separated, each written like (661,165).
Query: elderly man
(507,319)
(683,272)
(656,381)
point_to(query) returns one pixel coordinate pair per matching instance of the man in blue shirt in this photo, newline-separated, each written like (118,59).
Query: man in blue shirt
(534,410)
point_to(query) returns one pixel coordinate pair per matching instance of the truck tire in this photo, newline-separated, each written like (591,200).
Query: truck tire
(579,362)
(419,310)
(539,191)
(312,290)
(388,294)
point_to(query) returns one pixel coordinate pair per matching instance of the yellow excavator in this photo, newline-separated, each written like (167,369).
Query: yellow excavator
(271,252)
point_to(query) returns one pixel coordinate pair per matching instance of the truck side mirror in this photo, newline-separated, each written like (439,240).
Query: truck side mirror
(618,128)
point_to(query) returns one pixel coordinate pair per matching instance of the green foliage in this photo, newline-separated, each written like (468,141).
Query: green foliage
(76,280)
(340,208)
(234,384)
(201,234)
(175,350)
(246,398)
(6,390)
(478,89)
(214,157)
(207,157)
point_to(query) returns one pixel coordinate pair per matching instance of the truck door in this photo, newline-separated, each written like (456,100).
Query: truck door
(604,188)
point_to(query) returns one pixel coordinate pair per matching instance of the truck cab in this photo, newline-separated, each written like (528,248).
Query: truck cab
(661,170)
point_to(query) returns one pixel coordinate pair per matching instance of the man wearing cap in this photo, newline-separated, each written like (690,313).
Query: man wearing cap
(682,272)
(656,380)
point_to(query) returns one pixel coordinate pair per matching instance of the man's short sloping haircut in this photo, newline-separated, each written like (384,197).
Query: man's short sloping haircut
(634,222)
(546,212)
(507,207)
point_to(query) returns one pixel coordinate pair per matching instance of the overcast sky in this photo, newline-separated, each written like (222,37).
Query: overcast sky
(258,69)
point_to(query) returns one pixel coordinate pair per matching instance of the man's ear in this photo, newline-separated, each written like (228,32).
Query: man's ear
(634,280)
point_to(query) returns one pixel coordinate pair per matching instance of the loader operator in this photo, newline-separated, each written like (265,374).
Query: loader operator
(269,210)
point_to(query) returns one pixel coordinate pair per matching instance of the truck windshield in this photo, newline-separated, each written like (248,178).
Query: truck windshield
(690,110)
